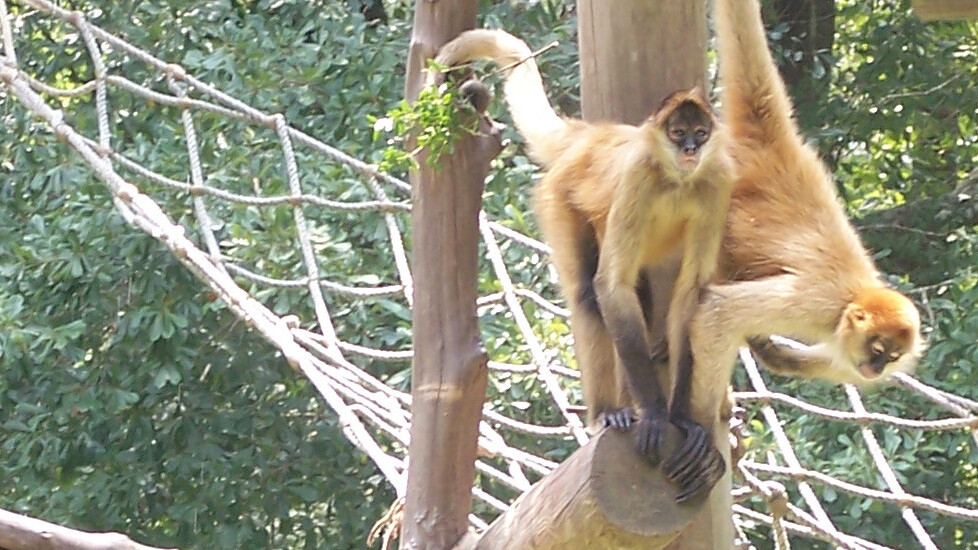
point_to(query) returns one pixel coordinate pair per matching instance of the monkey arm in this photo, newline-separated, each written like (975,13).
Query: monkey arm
(791,359)
(701,248)
(623,316)
(615,283)
(727,315)
(628,233)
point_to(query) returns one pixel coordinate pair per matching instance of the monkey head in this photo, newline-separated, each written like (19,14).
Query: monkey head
(687,120)
(880,333)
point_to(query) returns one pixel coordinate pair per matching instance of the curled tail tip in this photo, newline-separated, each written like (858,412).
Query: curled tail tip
(496,45)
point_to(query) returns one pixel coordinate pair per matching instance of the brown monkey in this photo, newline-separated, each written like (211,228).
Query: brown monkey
(791,262)
(617,203)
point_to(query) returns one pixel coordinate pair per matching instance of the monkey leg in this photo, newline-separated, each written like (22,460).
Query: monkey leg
(655,286)
(575,257)
(599,380)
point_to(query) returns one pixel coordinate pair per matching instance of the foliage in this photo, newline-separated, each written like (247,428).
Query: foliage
(433,123)
(129,399)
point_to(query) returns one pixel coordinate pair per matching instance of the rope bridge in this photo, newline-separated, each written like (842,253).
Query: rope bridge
(776,490)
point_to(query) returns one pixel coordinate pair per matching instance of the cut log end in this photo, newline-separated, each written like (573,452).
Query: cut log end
(604,496)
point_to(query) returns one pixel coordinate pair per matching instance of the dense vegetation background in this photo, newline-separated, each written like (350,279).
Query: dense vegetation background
(130,401)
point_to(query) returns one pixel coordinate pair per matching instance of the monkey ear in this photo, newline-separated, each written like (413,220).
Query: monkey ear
(856,315)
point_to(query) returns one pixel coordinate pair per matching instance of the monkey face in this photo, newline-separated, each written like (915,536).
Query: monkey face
(879,353)
(688,128)
(881,332)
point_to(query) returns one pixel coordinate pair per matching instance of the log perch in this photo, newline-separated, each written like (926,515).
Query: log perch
(18,532)
(603,496)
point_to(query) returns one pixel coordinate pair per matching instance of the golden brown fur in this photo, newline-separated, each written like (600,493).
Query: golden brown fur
(620,205)
(792,263)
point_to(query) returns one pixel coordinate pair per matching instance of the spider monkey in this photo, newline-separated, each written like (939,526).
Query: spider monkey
(791,264)
(623,207)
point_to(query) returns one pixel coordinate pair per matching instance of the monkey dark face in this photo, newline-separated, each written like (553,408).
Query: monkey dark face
(688,128)
(880,351)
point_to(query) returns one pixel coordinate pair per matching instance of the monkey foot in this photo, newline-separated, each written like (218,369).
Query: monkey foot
(697,465)
(650,437)
(618,419)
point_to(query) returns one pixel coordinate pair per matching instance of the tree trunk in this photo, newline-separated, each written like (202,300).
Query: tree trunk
(931,10)
(636,52)
(449,370)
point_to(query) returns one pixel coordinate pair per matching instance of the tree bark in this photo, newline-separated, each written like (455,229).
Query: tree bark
(19,532)
(449,370)
(931,10)
(636,52)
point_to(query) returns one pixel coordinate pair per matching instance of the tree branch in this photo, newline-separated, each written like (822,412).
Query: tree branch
(19,532)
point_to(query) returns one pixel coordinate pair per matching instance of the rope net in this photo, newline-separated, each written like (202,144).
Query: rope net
(270,285)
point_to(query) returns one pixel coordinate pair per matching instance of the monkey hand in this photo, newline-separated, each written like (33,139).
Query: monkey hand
(617,419)
(650,435)
(697,465)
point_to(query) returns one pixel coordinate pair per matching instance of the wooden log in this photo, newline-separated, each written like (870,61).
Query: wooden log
(18,532)
(931,10)
(449,370)
(603,496)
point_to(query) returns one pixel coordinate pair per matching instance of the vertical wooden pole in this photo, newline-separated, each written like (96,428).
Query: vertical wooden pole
(449,370)
(633,54)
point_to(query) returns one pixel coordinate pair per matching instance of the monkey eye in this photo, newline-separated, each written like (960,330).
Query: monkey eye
(701,133)
(895,355)
(877,349)
(679,133)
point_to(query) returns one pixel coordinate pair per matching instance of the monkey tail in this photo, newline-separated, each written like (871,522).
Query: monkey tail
(754,98)
(534,117)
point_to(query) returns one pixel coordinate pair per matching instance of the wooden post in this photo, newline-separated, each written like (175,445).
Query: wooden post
(633,54)
(932,10)
(449,371)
